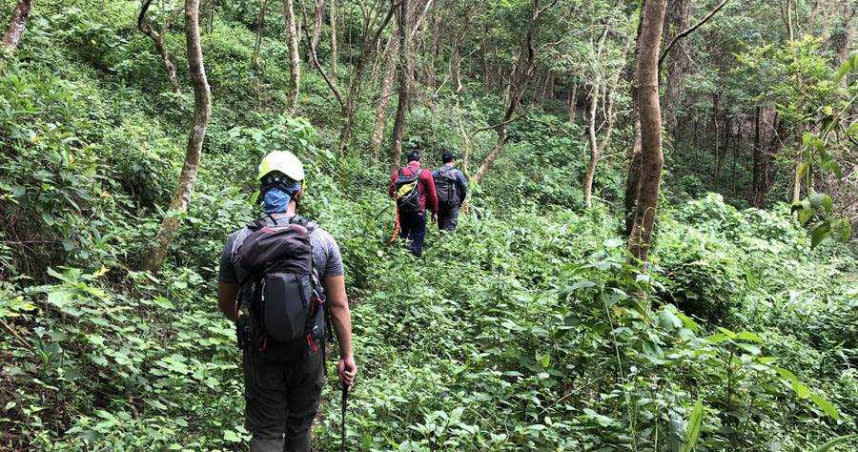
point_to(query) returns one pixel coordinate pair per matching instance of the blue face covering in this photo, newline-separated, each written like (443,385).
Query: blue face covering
(277,201)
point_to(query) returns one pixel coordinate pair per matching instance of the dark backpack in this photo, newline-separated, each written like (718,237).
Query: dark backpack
(406,191)
(281,292)
(445,185)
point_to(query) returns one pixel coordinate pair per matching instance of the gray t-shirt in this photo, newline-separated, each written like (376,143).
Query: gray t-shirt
(326,255)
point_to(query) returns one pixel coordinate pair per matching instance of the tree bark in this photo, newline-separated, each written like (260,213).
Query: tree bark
(652,158)
(317,25)
(756,171)
(260,32)
(384,101)
(403,67)
(594,146)
(843,39)
(158,39)
(572,102)
(294,56)
(202,111)
(333,22)
(678,14)
(356,82)
(17,24)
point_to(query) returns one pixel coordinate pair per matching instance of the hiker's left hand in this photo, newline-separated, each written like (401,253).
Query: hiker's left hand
(347,370)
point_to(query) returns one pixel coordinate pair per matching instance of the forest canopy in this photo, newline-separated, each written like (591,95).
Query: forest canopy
(656,251)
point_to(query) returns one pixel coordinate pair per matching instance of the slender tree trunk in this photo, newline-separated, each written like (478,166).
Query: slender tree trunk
(356,82)
(17,24)
(756,182)
(294,56)
(796,188)
(158,39)
(573,102)
(519,79)
(652,158)
(333,21)
(260,32)
(384,102)
(677,18)
(594,146)
(317,25)
(457,68)
(202,111)
(403,66)
(843,39)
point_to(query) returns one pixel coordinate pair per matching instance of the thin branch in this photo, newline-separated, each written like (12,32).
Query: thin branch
(315,60)
(690,30)
(483,129)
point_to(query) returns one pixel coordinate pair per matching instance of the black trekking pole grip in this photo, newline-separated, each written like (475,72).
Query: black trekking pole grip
(345,391)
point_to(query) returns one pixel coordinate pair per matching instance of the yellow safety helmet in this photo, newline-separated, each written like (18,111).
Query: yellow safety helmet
(284,162)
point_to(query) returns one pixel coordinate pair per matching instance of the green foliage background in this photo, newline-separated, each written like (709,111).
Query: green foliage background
(525,330)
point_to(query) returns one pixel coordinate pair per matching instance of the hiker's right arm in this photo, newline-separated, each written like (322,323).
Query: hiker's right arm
(338,302)
(227,282)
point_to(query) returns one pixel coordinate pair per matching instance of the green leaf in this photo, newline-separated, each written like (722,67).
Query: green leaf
(819,232)
(692,431)
(825,405)
(230,436)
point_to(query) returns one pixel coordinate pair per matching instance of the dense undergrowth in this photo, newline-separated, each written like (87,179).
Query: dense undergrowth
(527,329)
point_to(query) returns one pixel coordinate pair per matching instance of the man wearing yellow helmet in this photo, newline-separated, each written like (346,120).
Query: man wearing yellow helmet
(284,369)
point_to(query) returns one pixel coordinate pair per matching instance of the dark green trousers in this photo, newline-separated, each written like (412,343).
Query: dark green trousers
(282,391)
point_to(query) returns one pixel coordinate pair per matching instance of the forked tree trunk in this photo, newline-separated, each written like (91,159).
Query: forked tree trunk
(17,24)
(384,102)
(520,77)
(260,32)
(294,56)
(652,158)
(403,67)
(158,38)
(202,111)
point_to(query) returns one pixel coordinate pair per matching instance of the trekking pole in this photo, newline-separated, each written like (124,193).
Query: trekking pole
(345,390)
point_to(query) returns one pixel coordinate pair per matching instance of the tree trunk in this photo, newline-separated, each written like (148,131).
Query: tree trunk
(260,32)
(521,75)
(457,68)
(678,13)
(356,82)
(202,111)
(317,25)
(158,39)
(333,20)
(652,158)
(294,56)
(17,24)
(403,67)
(594,146)
(757,178)
(384,101)
(843,39)
(572,103)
